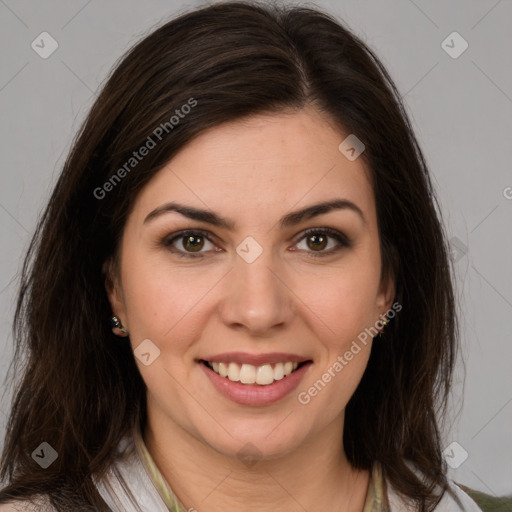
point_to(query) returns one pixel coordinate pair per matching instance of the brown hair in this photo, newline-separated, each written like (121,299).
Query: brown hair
(80,389)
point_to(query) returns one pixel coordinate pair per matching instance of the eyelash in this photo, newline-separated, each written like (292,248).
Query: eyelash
(332,233)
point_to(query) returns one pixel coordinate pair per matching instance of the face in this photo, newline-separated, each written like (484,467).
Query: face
(248,278)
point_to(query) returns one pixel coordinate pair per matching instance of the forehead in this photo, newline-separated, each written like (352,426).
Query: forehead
(262,164)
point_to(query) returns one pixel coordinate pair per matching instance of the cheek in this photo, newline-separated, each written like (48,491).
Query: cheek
(342,310)
(343,300)
(164,303)
(327,392)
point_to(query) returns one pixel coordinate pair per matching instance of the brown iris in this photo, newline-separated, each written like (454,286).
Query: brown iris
(317,242)
(191,243)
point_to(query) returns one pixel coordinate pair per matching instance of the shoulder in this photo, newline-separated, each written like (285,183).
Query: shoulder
(127,485)
(455,501)
(459,501)
(39,504)
(449,504)
(16,506)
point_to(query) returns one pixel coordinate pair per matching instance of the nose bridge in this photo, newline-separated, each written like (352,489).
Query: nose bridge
(257,299)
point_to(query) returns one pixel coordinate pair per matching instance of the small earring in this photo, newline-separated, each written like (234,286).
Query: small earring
(384,323)
(117,327)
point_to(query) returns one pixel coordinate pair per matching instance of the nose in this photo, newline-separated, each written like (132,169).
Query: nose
(257,298)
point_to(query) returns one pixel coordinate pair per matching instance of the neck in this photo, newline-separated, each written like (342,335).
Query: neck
(314,476)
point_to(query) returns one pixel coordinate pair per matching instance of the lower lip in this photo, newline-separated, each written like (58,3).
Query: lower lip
(255,394)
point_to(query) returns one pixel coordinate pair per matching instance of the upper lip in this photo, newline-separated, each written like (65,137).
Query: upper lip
(256,359)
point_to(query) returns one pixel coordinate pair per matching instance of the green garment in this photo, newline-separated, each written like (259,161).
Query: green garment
(489,503)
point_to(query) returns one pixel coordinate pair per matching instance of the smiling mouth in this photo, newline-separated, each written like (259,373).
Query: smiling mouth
(262,375)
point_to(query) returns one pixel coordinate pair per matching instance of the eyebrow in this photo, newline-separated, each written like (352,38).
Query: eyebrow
(287,220)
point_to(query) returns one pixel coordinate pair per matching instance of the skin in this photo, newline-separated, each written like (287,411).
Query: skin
(253,171)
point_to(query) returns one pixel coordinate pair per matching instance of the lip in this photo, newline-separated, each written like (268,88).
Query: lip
(254,394)
(255,359)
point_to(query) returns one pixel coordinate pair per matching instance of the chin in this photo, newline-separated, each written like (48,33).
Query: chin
(254,444)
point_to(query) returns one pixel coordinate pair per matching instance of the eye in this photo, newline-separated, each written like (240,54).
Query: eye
(189,244)
(315,241)
(193,244)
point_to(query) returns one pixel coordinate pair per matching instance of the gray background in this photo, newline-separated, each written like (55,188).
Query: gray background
(461,109)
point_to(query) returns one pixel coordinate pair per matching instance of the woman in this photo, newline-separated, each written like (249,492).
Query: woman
(239,296)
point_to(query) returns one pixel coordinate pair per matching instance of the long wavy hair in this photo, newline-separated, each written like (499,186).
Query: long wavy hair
(78,387)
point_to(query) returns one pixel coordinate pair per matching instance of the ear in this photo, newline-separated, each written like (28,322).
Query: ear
(386,293)
(114,290)
(387,287)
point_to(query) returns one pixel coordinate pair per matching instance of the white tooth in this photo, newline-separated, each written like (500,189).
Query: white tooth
(288,368)
(223,370)
(234,372)
(248,374)
(278,371)
(265,375)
